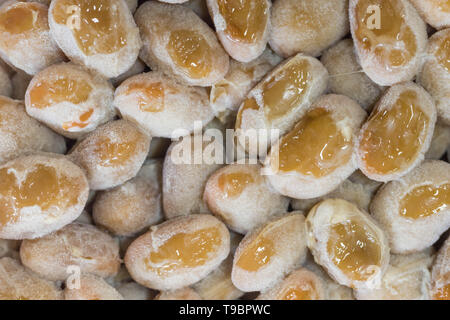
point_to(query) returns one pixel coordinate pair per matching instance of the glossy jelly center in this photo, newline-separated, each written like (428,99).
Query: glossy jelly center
(393,138)
(150,96)
(354,249)
(41,187)
(425,201)
(388,38)
(185,250)
(233,184)
(95,24)
(190,52)
(245,19)
(315,147)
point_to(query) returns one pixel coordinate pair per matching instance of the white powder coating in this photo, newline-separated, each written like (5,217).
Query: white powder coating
(357,189)
(408,235)
(406,278)
(41,50)
(251,119)
(348,116)
(134,291)
(184,183)
(66,117)
(181,277)
(346,76)
(157,21)
(244,51)
(109,65)
(163,106)
(307,26)
(319,222)
(77,244)
(434,77)
(441,268)
(92,287)
(227,94)
(17,282)
(137,68)
(22,134)
(33,222)
(378,70)
(107,168)
(254,206)
(287,235)
(387,102)
(434,12)
(130,207)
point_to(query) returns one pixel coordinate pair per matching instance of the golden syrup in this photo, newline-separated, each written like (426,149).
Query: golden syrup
(425,201)
(233,184)
(315,147)
(184,250)
(245,19)
(99,29)
(392,138)
(150,96)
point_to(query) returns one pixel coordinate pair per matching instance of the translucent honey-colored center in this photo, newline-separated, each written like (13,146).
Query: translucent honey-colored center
(232,184)
(150,96)
(42,187)
(184,250)
(305,291)
(81,123)
(354,249)
(190,52)
(245,19)
(315,147)
(389,38)
(443,293)
(21,18)
(257,254)
(50,92)
(392,138)
(96,24)
(286,89)
(425,201)
(115,153)
(443,53)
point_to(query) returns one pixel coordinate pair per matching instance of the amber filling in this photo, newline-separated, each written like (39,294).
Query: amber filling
(150,96)
(232,184)
(190,52)
(184,250)
(95,24)
(393,138)
(443,53)
(47,93)
(260,251)
(354,249)
(316,146)
(257,254)
(42,187)
(392,41)
(286,89)
(21,18)
(442,293)
(425,201)
(304,291)
(245,19)
(113,153)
